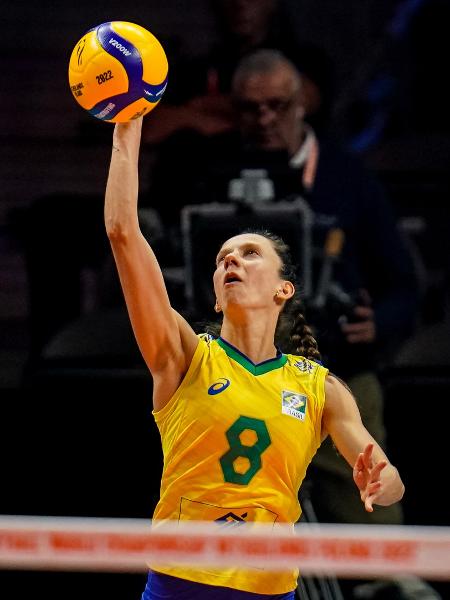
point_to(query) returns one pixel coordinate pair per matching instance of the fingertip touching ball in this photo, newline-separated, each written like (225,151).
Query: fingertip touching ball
(118,71)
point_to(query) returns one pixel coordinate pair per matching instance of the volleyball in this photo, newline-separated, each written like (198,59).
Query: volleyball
(118,71)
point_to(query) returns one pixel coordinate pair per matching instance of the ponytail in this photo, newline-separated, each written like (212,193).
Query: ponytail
(294,332)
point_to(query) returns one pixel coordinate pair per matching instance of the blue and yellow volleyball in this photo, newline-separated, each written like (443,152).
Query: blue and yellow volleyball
(118,71)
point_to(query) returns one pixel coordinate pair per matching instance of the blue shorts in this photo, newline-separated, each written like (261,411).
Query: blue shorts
(166,587)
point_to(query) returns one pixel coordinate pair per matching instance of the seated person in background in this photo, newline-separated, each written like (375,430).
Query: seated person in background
(375,268)
(198,96)
(55,260)
(68,278)
(197,100)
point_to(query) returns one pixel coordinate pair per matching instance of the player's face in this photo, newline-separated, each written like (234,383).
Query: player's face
(247,272)
(270,111)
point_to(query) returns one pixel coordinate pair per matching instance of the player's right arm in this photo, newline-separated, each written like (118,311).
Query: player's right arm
(376,477)
(165,339)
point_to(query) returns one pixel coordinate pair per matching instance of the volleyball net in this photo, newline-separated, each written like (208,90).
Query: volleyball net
(130,545)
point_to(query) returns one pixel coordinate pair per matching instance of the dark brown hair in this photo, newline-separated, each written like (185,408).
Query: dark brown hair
(293,333)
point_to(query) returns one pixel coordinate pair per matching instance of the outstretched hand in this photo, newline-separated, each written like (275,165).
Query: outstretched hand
(366,475)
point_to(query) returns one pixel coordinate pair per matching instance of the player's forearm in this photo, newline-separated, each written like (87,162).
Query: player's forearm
(392,488)
(123,184)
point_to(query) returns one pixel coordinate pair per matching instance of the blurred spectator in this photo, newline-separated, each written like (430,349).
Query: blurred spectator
(56,256)
(385,97)
(197,100)
(68,263)
(198,95)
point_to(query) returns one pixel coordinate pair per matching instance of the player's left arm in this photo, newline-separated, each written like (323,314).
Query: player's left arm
(376,477)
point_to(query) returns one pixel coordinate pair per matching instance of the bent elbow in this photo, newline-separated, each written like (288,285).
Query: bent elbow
(120,227)
(114,231)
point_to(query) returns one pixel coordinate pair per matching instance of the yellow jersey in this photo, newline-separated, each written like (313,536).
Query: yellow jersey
(237,438)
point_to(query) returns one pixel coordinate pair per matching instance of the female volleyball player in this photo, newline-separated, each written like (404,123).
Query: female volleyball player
(239,420)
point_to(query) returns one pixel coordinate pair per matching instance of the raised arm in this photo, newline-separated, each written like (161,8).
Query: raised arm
(376,478)
(166,341)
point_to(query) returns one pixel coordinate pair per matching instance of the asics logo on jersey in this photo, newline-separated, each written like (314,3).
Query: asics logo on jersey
(218,386)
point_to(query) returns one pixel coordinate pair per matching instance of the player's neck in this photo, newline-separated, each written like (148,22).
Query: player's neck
(254,340)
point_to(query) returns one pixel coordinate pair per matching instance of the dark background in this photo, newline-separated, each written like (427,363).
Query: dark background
(81,441)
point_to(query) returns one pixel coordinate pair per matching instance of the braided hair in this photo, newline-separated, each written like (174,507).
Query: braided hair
(293,333)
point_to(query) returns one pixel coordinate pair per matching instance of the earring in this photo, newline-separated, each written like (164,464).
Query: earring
(277,293)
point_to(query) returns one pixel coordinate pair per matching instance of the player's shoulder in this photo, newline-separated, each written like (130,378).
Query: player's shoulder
(336,385)
(303,364)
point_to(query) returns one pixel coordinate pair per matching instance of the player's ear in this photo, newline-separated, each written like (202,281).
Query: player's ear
(285,291)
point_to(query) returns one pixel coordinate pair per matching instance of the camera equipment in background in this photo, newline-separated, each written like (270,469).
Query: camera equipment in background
(206,226)
(253,177)
(257,191)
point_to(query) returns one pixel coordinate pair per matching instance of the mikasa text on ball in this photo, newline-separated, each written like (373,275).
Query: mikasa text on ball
(118,71)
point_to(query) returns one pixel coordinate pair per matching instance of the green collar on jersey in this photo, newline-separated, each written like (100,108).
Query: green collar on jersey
(264,367)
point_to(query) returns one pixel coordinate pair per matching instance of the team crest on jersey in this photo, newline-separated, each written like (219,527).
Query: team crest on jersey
(293,404)
(304,365)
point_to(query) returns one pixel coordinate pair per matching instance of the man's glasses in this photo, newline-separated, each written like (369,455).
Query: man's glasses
(279,106)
